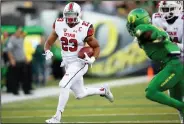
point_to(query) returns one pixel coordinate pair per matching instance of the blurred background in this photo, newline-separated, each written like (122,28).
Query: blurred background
(120,59)
(119,56)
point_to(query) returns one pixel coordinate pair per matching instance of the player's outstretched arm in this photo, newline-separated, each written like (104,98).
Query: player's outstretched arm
(50,41)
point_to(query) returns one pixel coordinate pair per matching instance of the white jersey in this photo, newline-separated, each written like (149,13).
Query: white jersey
(72,39)
(175,30)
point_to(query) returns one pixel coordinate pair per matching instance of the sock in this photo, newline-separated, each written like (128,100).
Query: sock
(91,91)
(95,91)
(58,115)
(63,98)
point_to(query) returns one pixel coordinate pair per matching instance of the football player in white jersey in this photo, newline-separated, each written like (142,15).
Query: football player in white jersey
(170,17)
(74,33)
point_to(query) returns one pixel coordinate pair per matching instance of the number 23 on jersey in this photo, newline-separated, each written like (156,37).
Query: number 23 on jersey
(69,45)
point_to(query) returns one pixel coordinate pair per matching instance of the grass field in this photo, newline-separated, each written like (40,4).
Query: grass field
(130,106)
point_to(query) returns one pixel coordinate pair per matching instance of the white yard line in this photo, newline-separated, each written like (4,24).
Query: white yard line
(152,121)
(115,122)
(51,91)
(94,115)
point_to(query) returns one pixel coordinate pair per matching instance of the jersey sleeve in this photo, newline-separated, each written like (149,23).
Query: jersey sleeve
(153,19)
(148,34)
(90,32)
(156,19)
(142,32)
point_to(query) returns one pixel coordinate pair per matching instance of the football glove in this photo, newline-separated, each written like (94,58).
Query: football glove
(89,60)
(180,45)
(48,54)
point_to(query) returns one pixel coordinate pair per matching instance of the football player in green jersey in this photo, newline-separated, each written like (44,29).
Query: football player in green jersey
(171,18)
(158,47)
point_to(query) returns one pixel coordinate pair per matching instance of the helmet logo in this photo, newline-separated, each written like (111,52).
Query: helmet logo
(131,19)
(71,6)
(146,20)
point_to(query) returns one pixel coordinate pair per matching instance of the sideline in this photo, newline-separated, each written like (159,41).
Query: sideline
(54,91)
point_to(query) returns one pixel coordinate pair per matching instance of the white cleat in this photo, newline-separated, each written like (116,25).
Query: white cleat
(108,94)
(53,120)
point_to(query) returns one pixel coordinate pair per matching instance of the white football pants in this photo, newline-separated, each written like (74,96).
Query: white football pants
(73,79)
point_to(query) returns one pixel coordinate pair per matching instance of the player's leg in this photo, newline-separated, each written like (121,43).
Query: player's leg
(81,91)
(72,70)
(181,97)
(63,99)
(164,80)
(177,92)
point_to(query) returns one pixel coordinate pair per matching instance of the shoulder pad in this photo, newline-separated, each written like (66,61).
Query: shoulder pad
(156,15)
(86,23)
(90,31)
(60,19)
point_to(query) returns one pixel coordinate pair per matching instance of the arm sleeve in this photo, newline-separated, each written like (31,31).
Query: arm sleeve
(10,44)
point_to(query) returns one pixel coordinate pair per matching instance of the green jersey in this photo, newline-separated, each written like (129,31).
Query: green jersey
(156,43)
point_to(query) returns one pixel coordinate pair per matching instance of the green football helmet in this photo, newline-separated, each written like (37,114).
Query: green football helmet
(136,17)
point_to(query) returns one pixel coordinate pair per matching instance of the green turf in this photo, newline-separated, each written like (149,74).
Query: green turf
(130,106)
(87,80)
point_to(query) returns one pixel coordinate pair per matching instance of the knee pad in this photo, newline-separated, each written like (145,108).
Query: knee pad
(80,96)
(64,90)
(150,92)
(65,83)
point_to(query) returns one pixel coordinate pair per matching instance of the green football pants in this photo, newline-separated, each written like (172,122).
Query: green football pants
(177,91)
(170,78)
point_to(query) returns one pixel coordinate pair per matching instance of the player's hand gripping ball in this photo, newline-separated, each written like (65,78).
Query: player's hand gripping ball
(87,50)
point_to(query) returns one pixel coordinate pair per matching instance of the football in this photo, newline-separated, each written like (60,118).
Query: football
(87,50)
